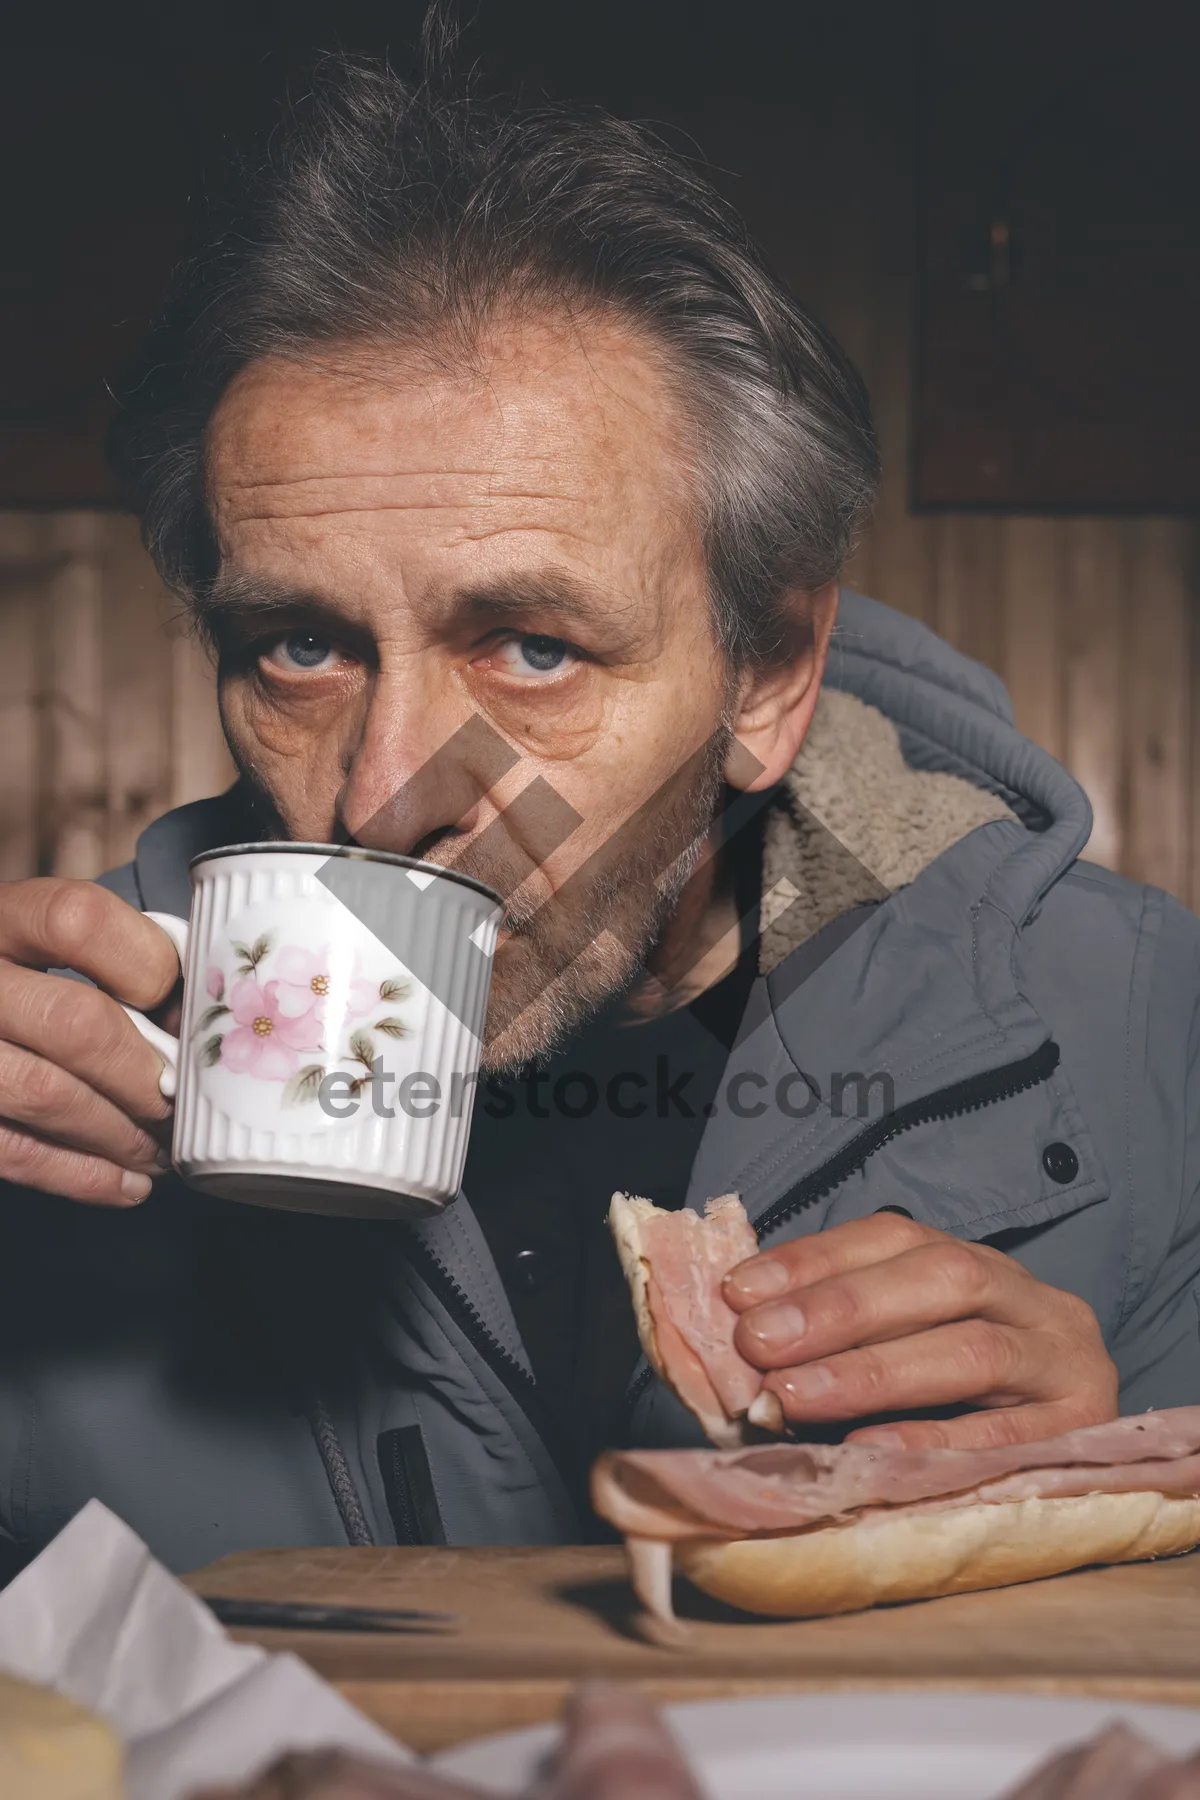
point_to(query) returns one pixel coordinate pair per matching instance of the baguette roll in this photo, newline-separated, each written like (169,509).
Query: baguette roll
(919,1555)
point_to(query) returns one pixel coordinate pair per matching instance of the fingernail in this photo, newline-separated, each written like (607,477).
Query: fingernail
(776,1327)
(810,1382)
(162,1159)
(135,1187)
(766,1412)
(759,1279)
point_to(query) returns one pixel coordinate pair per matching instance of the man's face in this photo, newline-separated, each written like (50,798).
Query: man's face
(507,548)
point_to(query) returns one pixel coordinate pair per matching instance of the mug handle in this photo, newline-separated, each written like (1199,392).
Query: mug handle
(162,1041)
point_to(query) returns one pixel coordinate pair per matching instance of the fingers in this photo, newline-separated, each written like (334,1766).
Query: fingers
(27,1161)
(968,1361)
(826,1253)
(939,1280)
(84,1031)
(971,1361)
(51,923)
(57,1106)
(989,1430)
(76,1076)
(883,1315)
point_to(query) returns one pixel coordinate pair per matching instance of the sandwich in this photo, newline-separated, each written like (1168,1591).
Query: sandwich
(675,1263)
(797,1530)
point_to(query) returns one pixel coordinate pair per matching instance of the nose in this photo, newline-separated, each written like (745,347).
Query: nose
(402,798)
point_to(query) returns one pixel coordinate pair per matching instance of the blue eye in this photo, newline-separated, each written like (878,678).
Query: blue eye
(305,649)
(543,653)
(302,650)
(534,654)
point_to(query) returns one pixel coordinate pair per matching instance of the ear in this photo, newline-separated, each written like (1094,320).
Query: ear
(776,705)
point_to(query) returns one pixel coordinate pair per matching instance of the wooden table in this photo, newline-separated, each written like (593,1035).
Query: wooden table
(535,1621)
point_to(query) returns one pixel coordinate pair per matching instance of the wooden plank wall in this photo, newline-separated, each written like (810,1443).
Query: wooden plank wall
(108,713)
(1091,623)
(106,703)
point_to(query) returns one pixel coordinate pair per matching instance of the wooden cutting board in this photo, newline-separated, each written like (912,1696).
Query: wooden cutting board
(535,1621)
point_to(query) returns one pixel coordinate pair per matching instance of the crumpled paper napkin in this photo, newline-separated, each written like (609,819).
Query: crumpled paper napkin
(97,1618)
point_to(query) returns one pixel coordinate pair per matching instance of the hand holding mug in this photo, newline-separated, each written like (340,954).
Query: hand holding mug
(332,1027)
(81,1110)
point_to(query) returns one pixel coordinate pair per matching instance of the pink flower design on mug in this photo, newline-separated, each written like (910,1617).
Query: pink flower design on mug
(303,981)
(214,983)
(266,1040)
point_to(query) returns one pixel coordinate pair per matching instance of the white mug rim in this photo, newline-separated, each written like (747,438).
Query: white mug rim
(352,852)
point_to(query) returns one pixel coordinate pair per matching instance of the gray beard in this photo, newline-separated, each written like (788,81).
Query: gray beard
(572,954)
(569,955)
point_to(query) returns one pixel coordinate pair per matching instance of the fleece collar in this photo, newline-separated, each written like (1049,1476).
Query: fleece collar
(851,822)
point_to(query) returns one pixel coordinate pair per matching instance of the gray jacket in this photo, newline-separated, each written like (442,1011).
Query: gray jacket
(1036,1018)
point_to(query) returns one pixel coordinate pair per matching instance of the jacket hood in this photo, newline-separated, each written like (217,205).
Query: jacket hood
(924,987)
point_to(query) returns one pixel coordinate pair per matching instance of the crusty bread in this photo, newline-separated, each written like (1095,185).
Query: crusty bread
(625,1215)
(52,1749)
(918,1554)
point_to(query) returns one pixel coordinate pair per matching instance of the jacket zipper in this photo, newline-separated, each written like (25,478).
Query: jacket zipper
(406,1521)
(502,1362)
(948,1103)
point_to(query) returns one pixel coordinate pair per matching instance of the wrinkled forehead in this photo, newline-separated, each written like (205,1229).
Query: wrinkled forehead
(566,415)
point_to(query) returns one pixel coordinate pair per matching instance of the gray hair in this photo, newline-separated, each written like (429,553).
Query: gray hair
(391,211)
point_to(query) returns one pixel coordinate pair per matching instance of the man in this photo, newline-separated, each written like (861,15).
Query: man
(493,430)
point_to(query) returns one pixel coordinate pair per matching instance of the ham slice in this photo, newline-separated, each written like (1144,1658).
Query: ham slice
(676,1495)
(615,1747)
(675,1263)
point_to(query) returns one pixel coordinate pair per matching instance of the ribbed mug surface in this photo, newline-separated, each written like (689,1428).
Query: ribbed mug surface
(334,1006)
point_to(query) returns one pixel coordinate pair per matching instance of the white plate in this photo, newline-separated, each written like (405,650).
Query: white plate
(918,1746)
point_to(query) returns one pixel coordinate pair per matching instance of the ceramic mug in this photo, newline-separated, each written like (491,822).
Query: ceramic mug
(333,1011)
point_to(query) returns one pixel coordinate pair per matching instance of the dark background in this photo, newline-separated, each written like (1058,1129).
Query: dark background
(1053,215)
